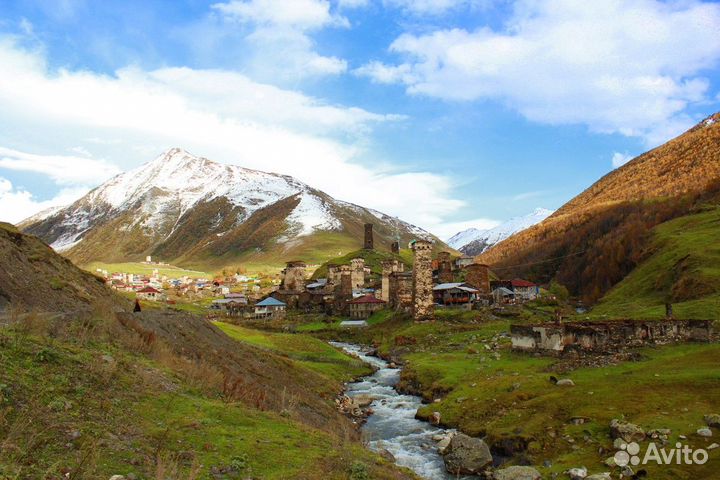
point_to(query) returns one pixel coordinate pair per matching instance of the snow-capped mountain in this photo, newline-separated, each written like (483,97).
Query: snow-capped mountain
(474,241)
(181,207)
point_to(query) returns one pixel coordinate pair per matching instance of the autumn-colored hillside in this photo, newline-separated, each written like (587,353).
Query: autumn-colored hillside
(598,237)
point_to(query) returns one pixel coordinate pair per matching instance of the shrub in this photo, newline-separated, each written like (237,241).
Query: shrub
(359,471)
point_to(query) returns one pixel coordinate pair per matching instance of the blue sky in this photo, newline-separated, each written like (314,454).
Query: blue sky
(447,113)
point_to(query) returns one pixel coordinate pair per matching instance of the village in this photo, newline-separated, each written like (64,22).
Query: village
(350,291)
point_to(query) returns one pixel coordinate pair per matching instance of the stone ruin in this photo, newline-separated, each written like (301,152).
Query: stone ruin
(423,305)
(606,337)
(369,241)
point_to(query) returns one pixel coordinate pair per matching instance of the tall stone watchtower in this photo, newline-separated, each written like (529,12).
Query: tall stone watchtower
(369,240)
(445,274)
(395,247)
(357,267)
(422,285)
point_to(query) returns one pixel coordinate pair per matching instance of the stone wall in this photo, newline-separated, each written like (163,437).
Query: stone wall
(395,247)
(422,286)
(606,337)
(401,291)
(478,276)
(294,277)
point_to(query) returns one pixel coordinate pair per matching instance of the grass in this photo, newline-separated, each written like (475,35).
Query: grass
(484,388)
(373,260)
(86,399)
(139,268)
(305,350)
(684,269)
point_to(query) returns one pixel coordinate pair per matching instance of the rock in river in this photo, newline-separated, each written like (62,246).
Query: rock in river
(466,455)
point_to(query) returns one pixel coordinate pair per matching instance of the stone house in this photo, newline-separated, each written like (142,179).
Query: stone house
(150,293)
(363,307)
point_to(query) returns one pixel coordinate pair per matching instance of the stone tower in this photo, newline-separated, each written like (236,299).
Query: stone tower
(294,276)
(369,241)
(346,286)
(422,285)
(478,276)
(395,247)
(388,267)
(357,265)
(445,274)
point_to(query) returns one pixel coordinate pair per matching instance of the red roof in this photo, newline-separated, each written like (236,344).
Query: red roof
(367,299)
(521,283)
(148,290)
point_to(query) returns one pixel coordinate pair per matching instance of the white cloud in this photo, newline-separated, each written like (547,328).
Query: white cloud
(619,66)
(620,159)
(64,170)
(279,41)
(19,204)
(130,117)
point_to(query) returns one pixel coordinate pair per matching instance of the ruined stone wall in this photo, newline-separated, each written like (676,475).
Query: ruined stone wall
(369,241)
(422,286)
(294,277)
(478,276)
(445,274)
(605,337)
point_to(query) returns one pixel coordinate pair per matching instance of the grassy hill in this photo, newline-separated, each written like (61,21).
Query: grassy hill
(373,260)
(683,267)
(600,236)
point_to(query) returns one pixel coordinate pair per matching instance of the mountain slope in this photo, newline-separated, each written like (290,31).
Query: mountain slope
(33,277)
(682,268)
(474,241)
(600,236)
(195,212)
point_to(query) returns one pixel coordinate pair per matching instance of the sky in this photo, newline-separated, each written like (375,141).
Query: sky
(447,113)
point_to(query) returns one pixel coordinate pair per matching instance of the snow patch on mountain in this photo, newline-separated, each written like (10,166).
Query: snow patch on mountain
(475,241)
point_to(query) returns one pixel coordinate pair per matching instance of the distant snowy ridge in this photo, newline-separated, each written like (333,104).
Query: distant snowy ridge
(475,241)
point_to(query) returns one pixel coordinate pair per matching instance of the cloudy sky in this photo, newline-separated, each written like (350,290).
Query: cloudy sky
(447,113)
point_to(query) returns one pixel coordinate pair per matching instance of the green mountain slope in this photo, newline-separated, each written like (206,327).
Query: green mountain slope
(683,267)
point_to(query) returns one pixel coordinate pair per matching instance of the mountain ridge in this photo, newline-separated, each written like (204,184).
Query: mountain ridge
(191,210)
(597,238)
(474,241)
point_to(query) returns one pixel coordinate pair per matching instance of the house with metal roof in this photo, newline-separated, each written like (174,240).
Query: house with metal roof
(456,293)
(270,308)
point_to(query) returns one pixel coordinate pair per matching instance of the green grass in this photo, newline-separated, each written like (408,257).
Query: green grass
(685,264)
(307,351)
(488,390)
(64,408)
(139,268)
(373,260)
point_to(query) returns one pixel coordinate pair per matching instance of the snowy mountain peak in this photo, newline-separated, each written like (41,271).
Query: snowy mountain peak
(159,201)
(474,241)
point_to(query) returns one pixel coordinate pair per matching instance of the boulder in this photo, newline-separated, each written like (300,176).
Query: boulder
(599,476)
(363,401)
(704,432)
(517,473)
(444,443)
(435,418)
(712,420)
(577,473)
(565,382)
(387,455)
(466,455)
(626,430)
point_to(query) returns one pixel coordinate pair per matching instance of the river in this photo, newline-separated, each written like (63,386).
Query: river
(393,425)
